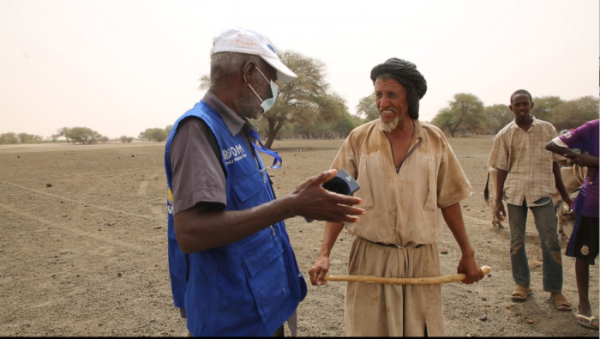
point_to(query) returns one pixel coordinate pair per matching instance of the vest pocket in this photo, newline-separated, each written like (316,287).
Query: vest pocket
(265,270)
(247,187)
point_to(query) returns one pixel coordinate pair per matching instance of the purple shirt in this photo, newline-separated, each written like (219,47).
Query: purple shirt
(585,137)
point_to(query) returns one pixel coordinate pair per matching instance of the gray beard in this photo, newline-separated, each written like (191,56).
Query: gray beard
(389,126)
(249,108)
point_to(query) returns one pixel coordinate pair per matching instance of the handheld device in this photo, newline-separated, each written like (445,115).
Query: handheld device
(342,183)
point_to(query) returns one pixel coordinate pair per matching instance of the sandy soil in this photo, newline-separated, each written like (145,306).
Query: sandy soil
(87,256)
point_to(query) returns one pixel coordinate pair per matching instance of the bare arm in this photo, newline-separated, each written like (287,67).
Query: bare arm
(321,267)
(200,227)
(467,264)
(499,208)
(579,159)
(560,186)
(554,148)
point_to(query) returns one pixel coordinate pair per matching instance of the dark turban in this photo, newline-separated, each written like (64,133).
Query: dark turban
(405,72)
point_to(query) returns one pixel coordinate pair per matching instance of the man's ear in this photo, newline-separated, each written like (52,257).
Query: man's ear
(532,105)
(248,70)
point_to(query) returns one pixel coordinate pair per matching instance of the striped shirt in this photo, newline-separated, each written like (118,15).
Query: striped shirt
(528,163)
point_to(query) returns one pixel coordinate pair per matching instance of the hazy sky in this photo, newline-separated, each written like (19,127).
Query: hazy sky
(120,67)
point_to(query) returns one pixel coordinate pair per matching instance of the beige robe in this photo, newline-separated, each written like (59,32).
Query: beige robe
(404,209)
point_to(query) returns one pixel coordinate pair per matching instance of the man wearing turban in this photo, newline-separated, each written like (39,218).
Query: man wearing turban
(411,182)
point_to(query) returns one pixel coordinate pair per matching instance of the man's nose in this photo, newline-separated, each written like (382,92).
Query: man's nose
(384,103)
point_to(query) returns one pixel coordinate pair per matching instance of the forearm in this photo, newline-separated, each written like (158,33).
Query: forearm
(594,162)
(198,229)
(453,217)
(500,179)
(332,231)
(202,227)
(560,186)
(554,148)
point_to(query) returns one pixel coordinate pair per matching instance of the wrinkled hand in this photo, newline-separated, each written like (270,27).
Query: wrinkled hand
(499,211)
(469,267)
(314,202)
(318,271)
(582,159)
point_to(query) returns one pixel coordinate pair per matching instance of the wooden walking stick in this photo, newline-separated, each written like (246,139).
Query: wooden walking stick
(405,281)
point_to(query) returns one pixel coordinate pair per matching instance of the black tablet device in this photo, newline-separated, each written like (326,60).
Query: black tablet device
(342,183)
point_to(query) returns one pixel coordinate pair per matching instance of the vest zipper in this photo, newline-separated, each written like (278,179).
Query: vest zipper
(272,230)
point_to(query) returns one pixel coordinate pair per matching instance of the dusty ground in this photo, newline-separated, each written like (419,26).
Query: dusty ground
(87,256)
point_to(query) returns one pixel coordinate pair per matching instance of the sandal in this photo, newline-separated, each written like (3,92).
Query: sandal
(589,322)
(560,302)
(520,293)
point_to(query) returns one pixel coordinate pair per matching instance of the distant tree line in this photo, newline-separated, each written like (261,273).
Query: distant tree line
(156,134)
(305,108)
(21,138)
(81,135)
(466,114)
(126,139)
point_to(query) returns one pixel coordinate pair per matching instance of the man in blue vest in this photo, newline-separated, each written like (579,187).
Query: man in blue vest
(231,263)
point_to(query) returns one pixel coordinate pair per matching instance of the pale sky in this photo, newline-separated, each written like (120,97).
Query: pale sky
(120,67)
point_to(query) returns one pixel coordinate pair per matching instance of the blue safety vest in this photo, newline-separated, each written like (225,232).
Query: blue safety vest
(249,287)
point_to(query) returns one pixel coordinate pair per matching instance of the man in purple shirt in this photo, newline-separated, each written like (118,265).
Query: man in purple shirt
(583,244)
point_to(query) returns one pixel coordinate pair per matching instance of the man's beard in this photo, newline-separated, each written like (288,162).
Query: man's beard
(249,107)
(389,126)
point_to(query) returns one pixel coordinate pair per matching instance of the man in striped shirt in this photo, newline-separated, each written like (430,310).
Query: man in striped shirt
(527,177)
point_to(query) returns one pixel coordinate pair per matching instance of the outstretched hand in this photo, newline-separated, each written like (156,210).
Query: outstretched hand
(314,202)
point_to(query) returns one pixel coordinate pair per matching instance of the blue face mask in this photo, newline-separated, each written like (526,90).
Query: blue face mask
(266,104)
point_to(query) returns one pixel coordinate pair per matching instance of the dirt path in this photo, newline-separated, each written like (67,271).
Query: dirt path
(88,256)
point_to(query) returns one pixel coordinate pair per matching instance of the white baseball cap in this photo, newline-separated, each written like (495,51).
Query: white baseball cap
(242,40)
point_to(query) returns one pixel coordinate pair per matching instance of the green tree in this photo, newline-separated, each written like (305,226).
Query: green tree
(444,119)
(157,134)
(465,112)
(9,138)
(62,132)
(126,139)
(82,135)
(330,108)
(345,126)
(543,106)
(497,116)
(367,108)
(574,113)
(25,138)
(297,100)
(168,129)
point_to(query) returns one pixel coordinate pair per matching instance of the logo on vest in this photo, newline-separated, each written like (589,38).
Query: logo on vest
(169,201)
(236,152)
